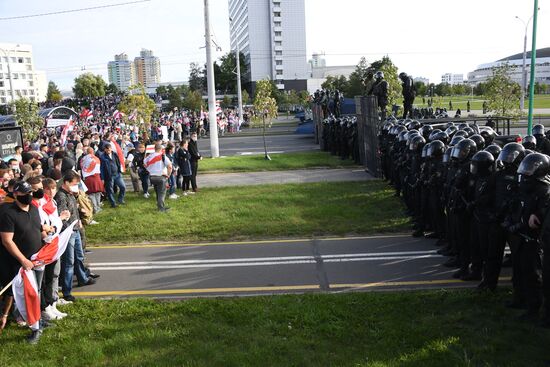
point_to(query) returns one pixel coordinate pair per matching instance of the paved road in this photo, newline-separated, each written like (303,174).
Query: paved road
(247,145)
(268,267)
(283,177)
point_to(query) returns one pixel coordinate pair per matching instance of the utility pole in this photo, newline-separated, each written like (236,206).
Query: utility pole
(533,67)
(238,61)
(212,121)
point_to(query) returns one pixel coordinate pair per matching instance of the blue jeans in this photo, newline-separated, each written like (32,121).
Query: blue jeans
(172,183)
(72,262)
(110,183)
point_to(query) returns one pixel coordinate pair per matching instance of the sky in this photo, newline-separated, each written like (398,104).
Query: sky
(423,37)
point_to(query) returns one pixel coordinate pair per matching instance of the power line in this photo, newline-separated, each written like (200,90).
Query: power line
(73,10)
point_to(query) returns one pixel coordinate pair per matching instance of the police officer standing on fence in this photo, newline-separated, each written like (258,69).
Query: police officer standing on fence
(408,94)
(381,90)
(543,144)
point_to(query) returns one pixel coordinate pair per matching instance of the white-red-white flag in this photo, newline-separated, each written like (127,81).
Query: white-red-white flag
(25,287)
(90,165)
(117,115)
(68,128)
(120,154)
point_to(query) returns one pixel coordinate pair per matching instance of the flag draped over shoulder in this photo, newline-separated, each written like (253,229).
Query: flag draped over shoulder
(68,128)
(90,165)
(24,286)
(120,154)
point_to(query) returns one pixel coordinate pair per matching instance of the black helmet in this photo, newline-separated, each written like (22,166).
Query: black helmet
(529,142)
(441,136)
(538,130)
(447,155)
(451,130)
(529,151)
(494,150)
(462,126)
(512,154)
(425,131)
(425,150)
(488,134)
(449,124)
(469,130)
(436,149)
(410,135)
(413,125)
(432,134)
(483,164)
(379,75)
(417,143)
(402,75)
(462,133)
(399,129)
(464,150)
(536,165)
(387,126)
(480,142)
(402,136)
(456,140)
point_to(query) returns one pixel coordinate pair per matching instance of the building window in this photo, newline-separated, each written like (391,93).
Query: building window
(29,67)
(13,59)
(277,24)
(278,53)
(15,76)
(20,60)
(279,72)
(17,92)
(278,34)
(31,92)
(24,92)
(32,99)
(1,83)
(3,100)
(277,14)
(23,76)
(278,43)
(279,62)
(2,93)
(31,83)
(5,59)
(28,60)
(30,76)
(1,76)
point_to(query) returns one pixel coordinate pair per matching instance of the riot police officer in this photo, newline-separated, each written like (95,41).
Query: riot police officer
(543,144)
(408,94)
(381,91)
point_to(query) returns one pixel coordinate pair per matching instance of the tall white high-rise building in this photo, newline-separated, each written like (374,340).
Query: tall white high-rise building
(121,72)
(147,69)
(272,36)
(17,67)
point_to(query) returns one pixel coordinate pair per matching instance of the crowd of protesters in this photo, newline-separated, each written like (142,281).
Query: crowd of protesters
(68,176)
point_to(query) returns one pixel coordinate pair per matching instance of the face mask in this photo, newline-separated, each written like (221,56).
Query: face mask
(38,194)
(25,199)
(74,189)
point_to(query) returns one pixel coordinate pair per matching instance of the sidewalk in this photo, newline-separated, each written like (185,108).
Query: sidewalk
(277,177)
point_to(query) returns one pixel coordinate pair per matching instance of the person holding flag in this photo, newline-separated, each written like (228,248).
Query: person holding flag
(22,233)
(91,173)
(111,173)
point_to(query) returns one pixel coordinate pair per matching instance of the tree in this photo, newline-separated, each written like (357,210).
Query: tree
(458,89)
(502,93)
(356,85)
(226,102)
(443,89)
(112,89)
(53,94)
(304,98)
(161,91)
(421,88)
(89,85)
(26,116)
(174,97)
(140,103)
(245,96)
(336,82)
(197,77)
(193,101)
(480,89)
(225,72)
(265,105)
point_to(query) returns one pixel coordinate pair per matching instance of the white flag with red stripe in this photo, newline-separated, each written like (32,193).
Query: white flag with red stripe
(90,165)
(68,128)
(24,286)
(117,115)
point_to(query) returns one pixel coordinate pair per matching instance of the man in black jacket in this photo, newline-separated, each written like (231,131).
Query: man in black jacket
(195,158)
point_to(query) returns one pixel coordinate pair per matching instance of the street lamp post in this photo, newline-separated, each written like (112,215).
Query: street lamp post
(524,68)
(213,123)
(533,66)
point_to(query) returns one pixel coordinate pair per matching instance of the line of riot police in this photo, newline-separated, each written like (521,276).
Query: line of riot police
(340,137)
(463,186)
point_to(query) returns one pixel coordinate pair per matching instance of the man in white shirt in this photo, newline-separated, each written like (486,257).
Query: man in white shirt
(159,168)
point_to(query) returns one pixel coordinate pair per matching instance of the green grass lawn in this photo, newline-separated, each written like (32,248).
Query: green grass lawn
(278,162)
(266,211)
(476,102)
(424,328)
